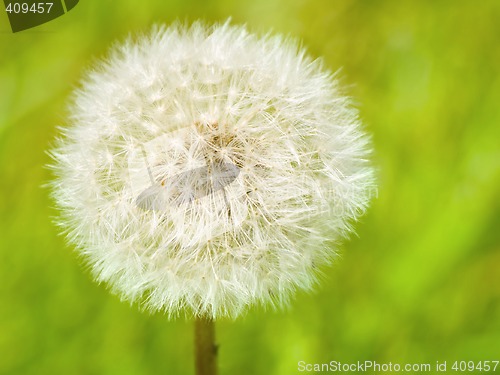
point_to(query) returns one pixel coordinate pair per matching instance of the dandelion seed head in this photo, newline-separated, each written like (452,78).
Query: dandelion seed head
(205,170)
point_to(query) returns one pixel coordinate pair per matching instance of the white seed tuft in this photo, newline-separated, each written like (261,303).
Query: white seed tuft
(205,170)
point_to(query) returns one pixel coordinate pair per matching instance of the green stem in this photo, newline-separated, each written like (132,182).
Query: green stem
(205,347)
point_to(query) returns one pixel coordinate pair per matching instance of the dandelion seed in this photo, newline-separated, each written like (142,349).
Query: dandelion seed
(205,170)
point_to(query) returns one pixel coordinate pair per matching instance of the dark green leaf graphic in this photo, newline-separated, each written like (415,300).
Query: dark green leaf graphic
(25,14)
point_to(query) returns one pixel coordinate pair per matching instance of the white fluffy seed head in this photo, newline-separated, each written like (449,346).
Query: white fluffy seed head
(205,170)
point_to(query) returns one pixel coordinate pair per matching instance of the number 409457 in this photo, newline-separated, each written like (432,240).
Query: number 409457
(472,366)
(27,8)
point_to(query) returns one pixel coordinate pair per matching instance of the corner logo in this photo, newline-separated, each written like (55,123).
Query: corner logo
(25,14)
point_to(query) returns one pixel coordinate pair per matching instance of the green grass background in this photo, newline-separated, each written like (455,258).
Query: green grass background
(420,282)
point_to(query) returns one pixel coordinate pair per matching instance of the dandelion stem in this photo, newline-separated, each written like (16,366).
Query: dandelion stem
(205,347)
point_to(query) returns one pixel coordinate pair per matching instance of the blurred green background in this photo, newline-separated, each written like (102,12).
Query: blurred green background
(420,282)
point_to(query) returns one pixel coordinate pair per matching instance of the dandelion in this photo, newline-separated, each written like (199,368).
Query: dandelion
(205,170)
